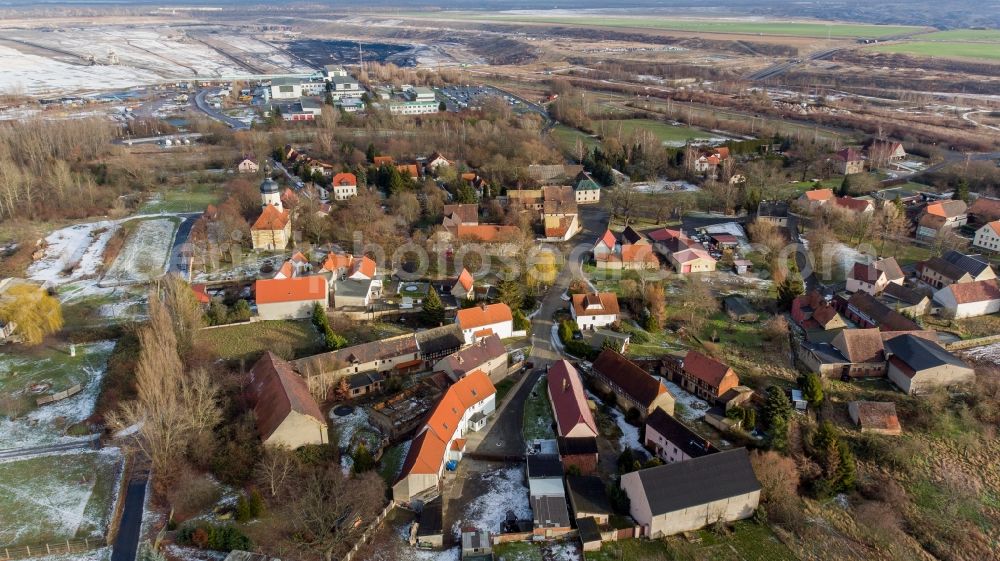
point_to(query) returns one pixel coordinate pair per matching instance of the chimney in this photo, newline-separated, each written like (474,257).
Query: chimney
(565,384)
(482,306)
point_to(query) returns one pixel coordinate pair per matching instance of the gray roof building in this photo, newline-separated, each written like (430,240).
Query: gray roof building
(673,487)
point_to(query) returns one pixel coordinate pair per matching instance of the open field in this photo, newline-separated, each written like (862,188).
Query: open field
(59,497)
(247,341)
(733,26)
(746,542)
(566,138)
(977,35)
(668,134)
(187,199)
(943,49)
(145,254)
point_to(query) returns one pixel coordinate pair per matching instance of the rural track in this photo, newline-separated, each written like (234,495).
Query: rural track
(32,451)
(83,60)
(782,67)
(232,58)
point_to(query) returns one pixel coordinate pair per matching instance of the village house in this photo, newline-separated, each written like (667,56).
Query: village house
(525,199)
(595,309)
(296,266)
(873,278)
(917,365)
(817,316)
(904,300)
(464,288)
(588,498)
(941,216)
(460,215)
(344,185)
(436,161)
(954,267)
(861,205)
(395,355)
(291,298)
(684,254)
(485,320)
(984,210)
(887,151)
(849,161)
(671,441)
(605,245)
(464,407)
(706,377)
(877,417)
(969,299)
(499,235)
(247,165)
(708,161)
(364,383)
(633,387)
(815,199)
(865,311)
(634,252)
(569,403)
(273,228)
(486,355)
(853,353)
(685,496)
(988,237)
(286,413)
(559,213)
(587,189)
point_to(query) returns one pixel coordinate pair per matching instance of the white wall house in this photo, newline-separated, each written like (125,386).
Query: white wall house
(988,237)
(969,299)
(594,310)
(485,320)
(291,298)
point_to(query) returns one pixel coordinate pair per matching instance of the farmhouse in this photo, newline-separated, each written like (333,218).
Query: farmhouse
(588,498)
(816,316)
(855,204)
(486,355)
(291,298)
(969,299)
(587,190)
(286,414)
(671,441)
(917,365)
(559,212)
(706,377)
(953,267)
(684,254)
(593,310)
(395,355)
(464,407)
(632,386)
(814,199)
(849,161)
(865,311)
(685,496)
(485,320)
(941,216)
(569,404)
(905,300)
(988,237)
(874,277)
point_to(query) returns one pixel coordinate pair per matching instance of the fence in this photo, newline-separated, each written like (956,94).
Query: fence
(369,531)
(59,396)
(116,516)
(969,343)
(60,548)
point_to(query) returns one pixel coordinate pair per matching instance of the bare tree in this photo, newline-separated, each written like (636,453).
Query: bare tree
(276,468)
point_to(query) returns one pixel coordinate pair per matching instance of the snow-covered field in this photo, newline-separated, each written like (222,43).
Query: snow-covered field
(505,491)
(46,424)
(664,186)
(987,353)
(145,254)
(48,498)
(73,253)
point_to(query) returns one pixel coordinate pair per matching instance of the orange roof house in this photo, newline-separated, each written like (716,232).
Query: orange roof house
(487,232)
(363,269)
(463,408)
(706,377)
(296,289)
(476,321)
(383,160)
(345,178)
(409,169)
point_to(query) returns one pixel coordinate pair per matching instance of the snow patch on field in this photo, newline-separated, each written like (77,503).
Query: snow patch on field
(76,249)
(145,254)
(506,491)
(39,427)
(693,409)
(347,427)
(986,353)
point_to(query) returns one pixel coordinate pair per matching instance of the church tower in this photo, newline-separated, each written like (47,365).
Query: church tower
(269,194)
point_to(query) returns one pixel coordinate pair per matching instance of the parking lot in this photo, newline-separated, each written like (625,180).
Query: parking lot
(459,98)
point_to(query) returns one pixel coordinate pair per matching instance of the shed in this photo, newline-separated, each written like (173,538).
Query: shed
(590,535)
(430,529)
(588,497)
(875,416)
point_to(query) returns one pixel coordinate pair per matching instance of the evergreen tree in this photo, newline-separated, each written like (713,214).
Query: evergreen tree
(465,193)
(521,322)
(333,340)
(777,410)
(218,313)
(363,460)
(442,107)
(432,313)
(242,509)
(847,473)
(812,389)
(241,311)
(370,153)
(511,292)
(845,187)
(790,288)
(961,191)
(256,502)
(319,319)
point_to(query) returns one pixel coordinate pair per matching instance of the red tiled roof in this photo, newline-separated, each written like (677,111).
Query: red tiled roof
(706,369)
(271,219)
(977,291)
(200,293)
(850,203)
(486,232)
(569,403)
(480,316)
(819,194)
(848,155)
(365,265)
(345,178)
(336,261)
(277,391)
(606,304)
(946,209)
(986,208)
(409,169)
(382,160)
(639,254)
(559,231)
(286,270)
(466,213)
(465,279)
(860,345)
(298,289)
(608,239)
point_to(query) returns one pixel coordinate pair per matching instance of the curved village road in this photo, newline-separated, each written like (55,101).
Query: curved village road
(206,108)
(503,437)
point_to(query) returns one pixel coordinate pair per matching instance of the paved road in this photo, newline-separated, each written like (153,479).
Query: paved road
(127,540)
(27,452)
(206,108)
(178,264)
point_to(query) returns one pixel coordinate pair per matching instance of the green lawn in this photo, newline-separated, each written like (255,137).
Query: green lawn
(789,29)
(503,388)
(746,541)
(566,138)
(50,367)
(977,35)
(942,49)
(537,423)
(646,344)
(192,198)
(665,132)
(517,551)
(53,498)
(390,463)
(248,341)
(730,332)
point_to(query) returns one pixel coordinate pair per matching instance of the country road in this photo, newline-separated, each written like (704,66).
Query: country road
(31,451)
(206,108)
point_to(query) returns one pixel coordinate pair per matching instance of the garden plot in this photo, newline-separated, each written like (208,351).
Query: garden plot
(73,253)
(145,255)
(23,379)
(504,490)
(353,429)
(689,407)
(58,497)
